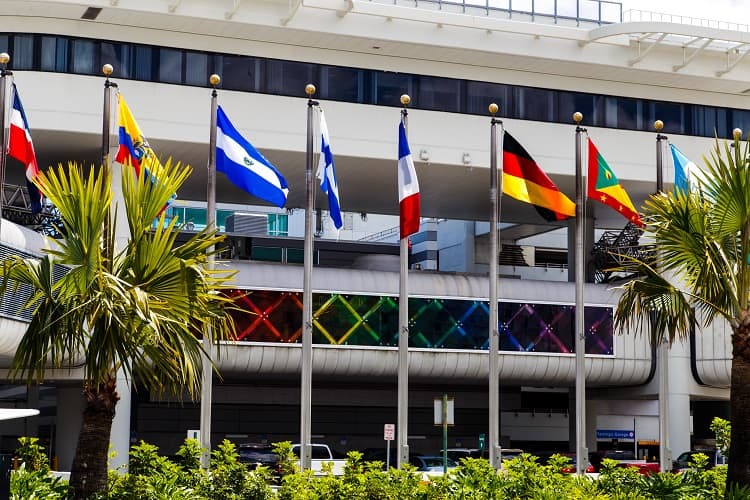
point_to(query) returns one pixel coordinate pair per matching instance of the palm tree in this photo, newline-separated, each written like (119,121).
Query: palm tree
(138,309)
(703,275)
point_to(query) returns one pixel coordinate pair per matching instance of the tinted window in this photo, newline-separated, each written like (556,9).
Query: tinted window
(320,452)
(170,65)
(342,84)
(389,87)
(440,94)
(83,57)
(289,78)
(23,52)
(196,68)
(479,95)
(239,73)
(54,54)
(534,104)
(143,67)
(118,55)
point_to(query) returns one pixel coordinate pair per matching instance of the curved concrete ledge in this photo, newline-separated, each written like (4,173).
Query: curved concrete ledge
(249,359)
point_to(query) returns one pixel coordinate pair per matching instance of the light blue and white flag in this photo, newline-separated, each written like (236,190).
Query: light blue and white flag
(245,166)
(686,173)
(327,174)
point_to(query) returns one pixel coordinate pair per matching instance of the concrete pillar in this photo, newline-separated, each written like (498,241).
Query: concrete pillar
(592,411)
(32,401)
(119,440)
(70,405)
(679,398)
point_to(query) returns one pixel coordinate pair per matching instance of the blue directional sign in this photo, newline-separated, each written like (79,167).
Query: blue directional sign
(614,434)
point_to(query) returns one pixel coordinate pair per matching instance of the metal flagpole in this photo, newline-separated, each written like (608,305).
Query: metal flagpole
(580,339)
(665,454)
(403,331)
(307,326)
(4,72)
(494,370)
(207,381)
(107,70)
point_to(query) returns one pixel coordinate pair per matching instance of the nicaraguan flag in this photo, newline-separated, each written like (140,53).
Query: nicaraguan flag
(327,174)
(685,171)
(408,187)
(245,166)
(21,148)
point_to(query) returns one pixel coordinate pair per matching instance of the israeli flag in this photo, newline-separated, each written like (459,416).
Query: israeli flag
(327,174)
(686,173)
(245,166)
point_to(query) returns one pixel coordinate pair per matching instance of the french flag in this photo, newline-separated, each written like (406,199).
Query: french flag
(408,186)
(21,148)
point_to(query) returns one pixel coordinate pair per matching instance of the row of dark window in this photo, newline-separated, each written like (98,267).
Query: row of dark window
(279,77)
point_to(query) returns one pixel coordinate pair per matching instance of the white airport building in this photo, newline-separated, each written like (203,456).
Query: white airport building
(539,61)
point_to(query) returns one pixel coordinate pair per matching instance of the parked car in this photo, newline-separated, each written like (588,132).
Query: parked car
(570,461)
(596,457)
(257,454)
(683,461)
(254,455)
(430,465)
(321,454)
(456,454)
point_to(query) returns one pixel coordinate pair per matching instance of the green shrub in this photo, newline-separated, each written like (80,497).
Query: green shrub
(36,484)
(31,453)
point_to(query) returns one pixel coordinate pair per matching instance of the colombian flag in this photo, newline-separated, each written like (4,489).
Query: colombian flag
(604,187)
(134,149)
(525,181)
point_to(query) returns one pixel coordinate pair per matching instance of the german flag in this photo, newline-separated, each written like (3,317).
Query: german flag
(525,181)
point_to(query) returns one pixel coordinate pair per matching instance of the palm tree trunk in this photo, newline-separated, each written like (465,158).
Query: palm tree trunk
(89,472)
(739,448)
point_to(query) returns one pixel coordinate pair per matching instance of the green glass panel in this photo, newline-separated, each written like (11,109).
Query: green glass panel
(270,254)
(195,215)
(295,256)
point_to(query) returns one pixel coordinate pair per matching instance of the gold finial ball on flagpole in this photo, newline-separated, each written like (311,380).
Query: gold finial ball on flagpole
(214,80)
(737,134)
(309,89)
(405,99)
(107,69)
(4,58)
(493,108)
(658,125)
(578,117)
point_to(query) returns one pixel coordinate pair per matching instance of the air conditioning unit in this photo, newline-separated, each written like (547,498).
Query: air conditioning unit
(247,224)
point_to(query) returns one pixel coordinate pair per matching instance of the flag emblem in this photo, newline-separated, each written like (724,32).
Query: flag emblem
(245,166)
(604,186)
(525,181)
(327,174)
(21,148)
(408,187)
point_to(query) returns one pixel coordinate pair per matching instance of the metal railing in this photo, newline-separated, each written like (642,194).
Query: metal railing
(635,15)
(578,11)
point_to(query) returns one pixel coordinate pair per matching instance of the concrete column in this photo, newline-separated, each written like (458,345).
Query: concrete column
(119,440)
(679,398)
(592,410)
(32,401)
(70,405)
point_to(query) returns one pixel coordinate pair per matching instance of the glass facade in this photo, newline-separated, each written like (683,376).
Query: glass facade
(38,52)
(369,320)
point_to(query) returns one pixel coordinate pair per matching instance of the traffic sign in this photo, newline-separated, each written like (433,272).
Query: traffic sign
(389,431)
(614,434)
